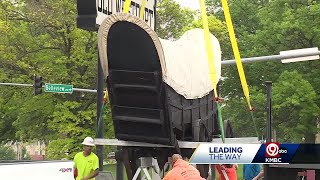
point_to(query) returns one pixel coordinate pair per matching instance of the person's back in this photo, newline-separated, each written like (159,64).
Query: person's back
(182,170)
(250,171)
(231,172)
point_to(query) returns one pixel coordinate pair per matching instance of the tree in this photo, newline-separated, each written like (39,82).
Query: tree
(172,19)
(41,38)
(256,20)
(295,108)
(236,110)
(62,149)
(7,153)
(265,28)
(219,30)
(25,154)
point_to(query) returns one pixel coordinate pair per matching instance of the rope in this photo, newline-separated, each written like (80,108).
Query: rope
(142,9)
(103,109)
(211,64)
(126,6)
(220,122)
(236,53)
(254,123)
(99,128)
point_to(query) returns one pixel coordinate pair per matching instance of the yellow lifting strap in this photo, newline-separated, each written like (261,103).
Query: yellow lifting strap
(126,6)
(211,65)
(142,9)
(236,52)
(238,60)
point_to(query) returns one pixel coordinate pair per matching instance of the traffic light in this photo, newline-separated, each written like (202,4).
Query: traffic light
(37,85)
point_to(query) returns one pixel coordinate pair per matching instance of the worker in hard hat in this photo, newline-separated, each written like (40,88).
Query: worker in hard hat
(182,170)
(86,163)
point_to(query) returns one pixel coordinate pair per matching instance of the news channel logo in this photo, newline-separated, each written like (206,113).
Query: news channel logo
(274,152)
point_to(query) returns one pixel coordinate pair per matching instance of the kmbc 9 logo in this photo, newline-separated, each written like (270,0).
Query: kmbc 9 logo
(273,152)
(273,149)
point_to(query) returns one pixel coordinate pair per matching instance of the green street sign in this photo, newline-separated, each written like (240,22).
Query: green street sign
(58,88)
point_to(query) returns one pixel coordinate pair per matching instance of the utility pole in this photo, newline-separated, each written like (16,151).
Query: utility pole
(268,108)
(269,128)
(100,122)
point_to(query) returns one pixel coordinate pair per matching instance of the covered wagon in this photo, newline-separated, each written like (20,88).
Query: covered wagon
(160,90)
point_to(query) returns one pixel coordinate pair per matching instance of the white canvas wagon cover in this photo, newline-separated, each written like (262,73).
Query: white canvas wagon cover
(184,62)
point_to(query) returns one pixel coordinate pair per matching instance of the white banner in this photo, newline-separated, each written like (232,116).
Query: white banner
(107,7)
(224,153)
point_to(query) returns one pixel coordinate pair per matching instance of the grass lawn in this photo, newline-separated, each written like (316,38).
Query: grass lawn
(239,171)
(112,168)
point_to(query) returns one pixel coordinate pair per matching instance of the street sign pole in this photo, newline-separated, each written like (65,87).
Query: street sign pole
(269,126)
(100,125)
(31,85)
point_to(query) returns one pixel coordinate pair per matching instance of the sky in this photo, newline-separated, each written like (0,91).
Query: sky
(192,4)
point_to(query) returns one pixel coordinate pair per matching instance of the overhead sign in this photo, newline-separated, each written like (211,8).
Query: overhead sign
(108,7)
(58,88)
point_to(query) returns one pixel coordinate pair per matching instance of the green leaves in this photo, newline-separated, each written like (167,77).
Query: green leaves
(295,107)
(41,38)
(68,121)
(266,28)
(62,149)
(219,30)
(172,19)
(7,153)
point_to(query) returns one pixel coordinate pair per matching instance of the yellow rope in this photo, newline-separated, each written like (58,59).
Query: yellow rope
(211,65)
(236,52)
(142,9)
(126,6)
